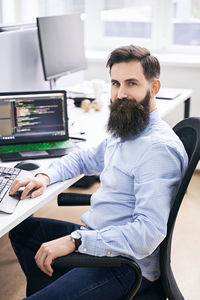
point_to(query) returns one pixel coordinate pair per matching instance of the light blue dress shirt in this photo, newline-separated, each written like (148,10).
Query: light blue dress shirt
(139,178)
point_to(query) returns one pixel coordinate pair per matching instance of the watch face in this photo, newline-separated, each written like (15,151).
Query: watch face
(75,235)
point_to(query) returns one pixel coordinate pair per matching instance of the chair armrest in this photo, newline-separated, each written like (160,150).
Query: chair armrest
(73,199)
(76,259)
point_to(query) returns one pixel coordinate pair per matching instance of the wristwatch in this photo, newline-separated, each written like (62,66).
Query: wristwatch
(76,238)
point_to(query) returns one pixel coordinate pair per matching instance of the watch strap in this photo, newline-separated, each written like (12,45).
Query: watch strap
(76,240)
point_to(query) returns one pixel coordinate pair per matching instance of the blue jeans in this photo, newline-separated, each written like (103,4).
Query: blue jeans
(77,283)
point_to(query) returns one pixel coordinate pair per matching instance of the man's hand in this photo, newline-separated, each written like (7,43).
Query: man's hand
(51,250)
(33,186)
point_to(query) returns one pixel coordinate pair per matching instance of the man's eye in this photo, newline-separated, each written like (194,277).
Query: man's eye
(115,83)
(132,83)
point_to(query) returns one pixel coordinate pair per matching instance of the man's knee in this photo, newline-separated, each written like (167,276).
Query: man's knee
(21,229)
(11,235)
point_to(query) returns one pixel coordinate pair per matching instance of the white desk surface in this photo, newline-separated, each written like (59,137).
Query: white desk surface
(167,106)
(93,124)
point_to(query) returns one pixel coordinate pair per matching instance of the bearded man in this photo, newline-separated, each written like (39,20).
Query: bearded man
(140,166)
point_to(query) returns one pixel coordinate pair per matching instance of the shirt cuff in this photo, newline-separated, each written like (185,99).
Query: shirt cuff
(50,173)
(91,243)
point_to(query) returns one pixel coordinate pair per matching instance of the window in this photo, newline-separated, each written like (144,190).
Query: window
(133,19)
(186,23)
(26,11)
(160,25)
(115,22)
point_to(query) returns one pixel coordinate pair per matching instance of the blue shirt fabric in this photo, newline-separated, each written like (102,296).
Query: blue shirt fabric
(139,178)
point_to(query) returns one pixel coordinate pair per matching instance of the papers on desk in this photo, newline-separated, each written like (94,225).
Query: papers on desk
(168,93)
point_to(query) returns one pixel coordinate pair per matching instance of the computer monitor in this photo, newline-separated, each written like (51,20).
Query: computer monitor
(20,62)
(14,27)
(27,117)
(61,40)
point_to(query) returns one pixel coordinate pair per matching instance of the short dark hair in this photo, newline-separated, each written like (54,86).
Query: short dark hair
(150,64)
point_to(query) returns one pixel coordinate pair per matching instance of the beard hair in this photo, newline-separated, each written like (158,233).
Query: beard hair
(127,117)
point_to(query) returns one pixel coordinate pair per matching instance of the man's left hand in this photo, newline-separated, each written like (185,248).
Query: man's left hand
(51,250)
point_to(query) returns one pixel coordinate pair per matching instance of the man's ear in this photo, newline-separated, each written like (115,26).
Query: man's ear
(155,87)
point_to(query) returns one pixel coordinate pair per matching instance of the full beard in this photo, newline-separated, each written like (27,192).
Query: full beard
(127,117)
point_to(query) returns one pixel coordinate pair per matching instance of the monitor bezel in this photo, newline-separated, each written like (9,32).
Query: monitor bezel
(65,137)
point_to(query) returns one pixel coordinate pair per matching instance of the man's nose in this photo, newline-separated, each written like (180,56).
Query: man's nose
(122,93)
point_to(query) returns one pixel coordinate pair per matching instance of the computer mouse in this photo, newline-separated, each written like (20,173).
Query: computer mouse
(28,165)
(17,195)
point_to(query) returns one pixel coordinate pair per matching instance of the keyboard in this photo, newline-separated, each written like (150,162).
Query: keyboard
(7,176)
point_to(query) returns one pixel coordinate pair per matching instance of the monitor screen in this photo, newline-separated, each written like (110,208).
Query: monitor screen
(61,42)
(33,117)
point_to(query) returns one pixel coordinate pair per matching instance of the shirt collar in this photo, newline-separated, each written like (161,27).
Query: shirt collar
(154,115)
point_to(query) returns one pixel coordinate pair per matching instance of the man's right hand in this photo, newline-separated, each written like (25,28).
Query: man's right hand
(34,186)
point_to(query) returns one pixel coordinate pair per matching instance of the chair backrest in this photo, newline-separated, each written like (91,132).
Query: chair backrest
(188,131)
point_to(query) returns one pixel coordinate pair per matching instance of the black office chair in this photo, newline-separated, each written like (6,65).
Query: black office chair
(188,131)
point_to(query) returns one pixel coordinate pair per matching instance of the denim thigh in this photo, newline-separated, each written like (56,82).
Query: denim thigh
(90,284)
(77,283)
(27,237)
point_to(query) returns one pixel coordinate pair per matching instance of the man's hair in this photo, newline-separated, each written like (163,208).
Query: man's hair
(150,64)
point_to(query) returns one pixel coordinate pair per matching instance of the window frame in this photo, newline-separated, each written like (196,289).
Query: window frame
(162,24)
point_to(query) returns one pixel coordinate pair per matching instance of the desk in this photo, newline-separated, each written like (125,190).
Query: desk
(167,106)
(93,123)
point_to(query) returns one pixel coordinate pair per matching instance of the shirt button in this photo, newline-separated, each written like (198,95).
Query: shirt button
(108,252)
(91,209)
(84,250)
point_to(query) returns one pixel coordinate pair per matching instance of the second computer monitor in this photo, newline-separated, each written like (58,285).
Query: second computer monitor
(61,40)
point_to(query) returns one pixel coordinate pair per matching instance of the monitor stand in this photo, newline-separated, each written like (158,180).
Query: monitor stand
(52,84)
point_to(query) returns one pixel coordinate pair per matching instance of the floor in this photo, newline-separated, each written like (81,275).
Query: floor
(185,250)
